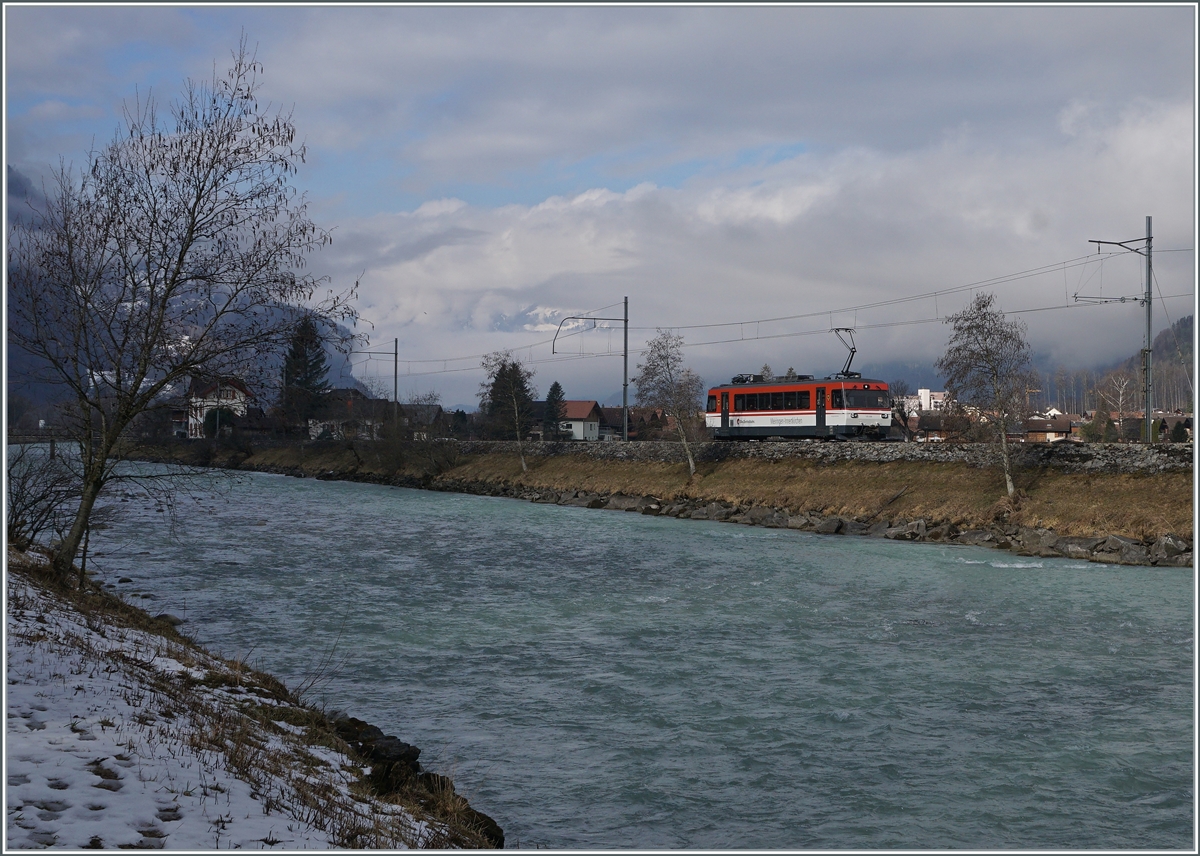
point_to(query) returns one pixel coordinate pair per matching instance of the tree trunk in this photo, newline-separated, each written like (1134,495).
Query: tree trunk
(64,556)
(686,448)
(517,431)
(1004,456)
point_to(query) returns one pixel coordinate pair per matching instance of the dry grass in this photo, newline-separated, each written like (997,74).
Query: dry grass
(1140,506)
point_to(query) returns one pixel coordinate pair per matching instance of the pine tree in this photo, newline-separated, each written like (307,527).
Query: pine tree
(556,411)
(506,397)
(305,370)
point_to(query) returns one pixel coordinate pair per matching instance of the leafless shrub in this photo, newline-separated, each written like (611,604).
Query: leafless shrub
(41,492)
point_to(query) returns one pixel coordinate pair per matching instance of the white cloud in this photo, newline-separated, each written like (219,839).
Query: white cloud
(812,234)
(781,160)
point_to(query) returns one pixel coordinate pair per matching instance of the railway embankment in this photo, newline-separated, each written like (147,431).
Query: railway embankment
(1105,503)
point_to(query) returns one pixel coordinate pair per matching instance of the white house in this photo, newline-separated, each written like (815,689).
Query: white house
(581,420)
(207,394)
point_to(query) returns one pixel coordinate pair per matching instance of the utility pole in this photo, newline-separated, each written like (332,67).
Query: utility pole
(625,380)
(1148,353)
(1145,300)
(625,377)
(395,378)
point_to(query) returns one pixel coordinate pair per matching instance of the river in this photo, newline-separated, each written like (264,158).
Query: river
(597,679)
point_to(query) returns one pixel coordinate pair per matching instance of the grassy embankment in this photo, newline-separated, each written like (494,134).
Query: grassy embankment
(1094,504)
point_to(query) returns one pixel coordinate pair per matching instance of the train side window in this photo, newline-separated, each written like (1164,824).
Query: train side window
(835,399)
(805,399)
(789,400)
(751,401)
(777,401)
(739,402)
(712,404)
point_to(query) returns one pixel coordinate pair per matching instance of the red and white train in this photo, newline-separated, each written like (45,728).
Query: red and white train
(841,406)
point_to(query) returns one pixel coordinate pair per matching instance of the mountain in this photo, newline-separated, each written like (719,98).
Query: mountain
(1172,347)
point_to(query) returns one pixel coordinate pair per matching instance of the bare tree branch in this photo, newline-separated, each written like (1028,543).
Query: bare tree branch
(177,250)
(987,364)
(664,382)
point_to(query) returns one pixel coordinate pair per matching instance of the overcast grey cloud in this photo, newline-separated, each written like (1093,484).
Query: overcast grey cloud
(492,170)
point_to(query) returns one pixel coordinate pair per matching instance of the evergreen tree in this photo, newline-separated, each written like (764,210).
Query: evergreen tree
(556,411)
(506,398)
(1101,429)
(305,371)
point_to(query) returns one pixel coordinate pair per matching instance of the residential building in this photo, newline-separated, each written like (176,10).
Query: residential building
(206,394)
(581,421)
(348,414)
(1050,429)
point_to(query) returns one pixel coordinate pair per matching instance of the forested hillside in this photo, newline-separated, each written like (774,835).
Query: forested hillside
(1120,386)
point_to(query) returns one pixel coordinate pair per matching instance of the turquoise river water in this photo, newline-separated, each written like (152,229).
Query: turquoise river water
(597,679)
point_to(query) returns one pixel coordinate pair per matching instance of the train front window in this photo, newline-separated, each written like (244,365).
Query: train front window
(867,399)
(712,404)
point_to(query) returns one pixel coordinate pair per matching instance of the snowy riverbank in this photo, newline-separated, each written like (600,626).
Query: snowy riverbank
(122,734)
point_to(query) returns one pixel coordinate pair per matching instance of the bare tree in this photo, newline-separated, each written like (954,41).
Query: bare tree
(506,396)
(41,489)
(901,390)
(178,249)
(987,364)
(1119,391)
(664,382)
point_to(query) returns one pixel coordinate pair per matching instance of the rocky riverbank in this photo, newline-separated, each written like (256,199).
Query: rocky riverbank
(1107,503)
(1167,550)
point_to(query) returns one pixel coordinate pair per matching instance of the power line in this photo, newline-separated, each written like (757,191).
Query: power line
(790,335)
(929,295)
(1080,261)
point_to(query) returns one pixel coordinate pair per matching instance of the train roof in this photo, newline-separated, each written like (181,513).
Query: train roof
(739,383)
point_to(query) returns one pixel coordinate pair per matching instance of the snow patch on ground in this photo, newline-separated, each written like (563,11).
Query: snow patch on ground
(120,738)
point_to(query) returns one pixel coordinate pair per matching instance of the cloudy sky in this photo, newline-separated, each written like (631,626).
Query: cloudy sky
(490,171)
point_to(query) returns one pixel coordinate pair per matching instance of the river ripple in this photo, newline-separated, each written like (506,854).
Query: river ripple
(596,679)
